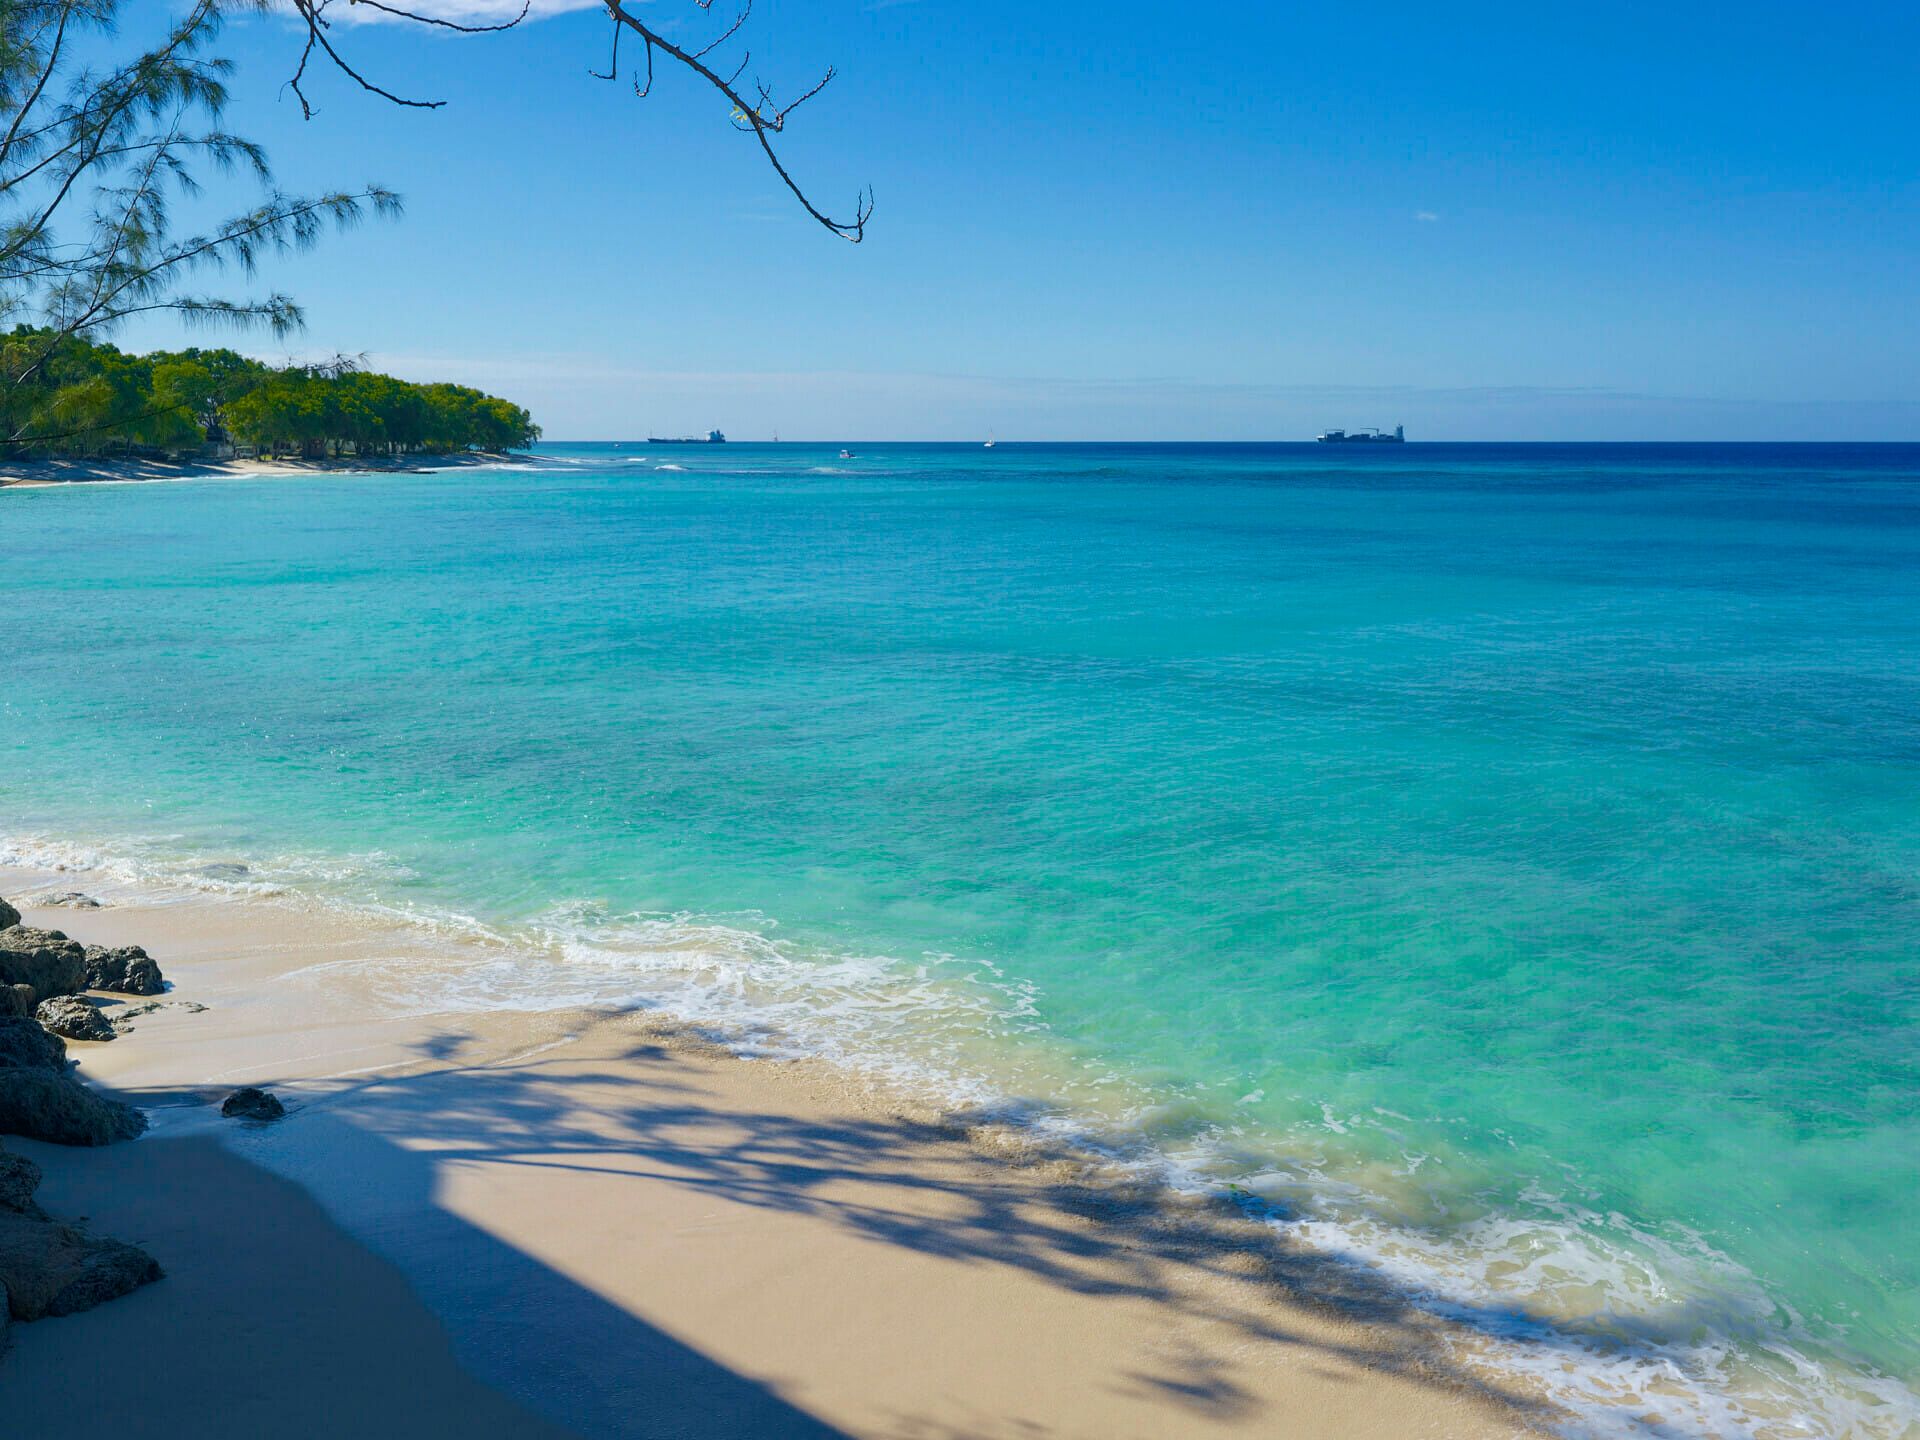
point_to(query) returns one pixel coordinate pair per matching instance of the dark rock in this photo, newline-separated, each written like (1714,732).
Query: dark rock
(63,1110)
(19,1178)
(73,1018)
(125,1015)
(126,969)
(16,1000)
(47,1268)
(25,1045)
(9,917)
(40,1099)
(44,959)
(251,1103)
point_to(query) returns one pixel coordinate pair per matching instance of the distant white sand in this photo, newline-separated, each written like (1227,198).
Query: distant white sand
(65,472)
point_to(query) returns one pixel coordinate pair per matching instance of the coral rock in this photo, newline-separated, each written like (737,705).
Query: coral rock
(126,969)
(47,1268)
(40,1099)
(251,1103)
(45,959)
(73,1018)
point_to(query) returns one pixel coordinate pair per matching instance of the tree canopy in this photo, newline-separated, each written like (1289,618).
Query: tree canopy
(88,398)
(92,162)
(96,152)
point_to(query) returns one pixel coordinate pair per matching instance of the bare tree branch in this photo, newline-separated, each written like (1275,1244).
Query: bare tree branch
(760,116)
(613,65)
(746,9)
(314,13)
(445,24)
(750,116)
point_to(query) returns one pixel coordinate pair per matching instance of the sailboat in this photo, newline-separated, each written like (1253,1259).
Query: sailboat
(989,443)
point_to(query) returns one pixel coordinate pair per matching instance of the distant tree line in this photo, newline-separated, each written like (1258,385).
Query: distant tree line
(77,397)
(99,142)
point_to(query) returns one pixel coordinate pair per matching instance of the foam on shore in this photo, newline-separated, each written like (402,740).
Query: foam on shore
(1635,1334)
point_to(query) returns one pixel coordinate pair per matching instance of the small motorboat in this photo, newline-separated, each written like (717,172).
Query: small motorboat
(848,455)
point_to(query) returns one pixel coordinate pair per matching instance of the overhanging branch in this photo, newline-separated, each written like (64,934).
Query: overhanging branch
(758,115)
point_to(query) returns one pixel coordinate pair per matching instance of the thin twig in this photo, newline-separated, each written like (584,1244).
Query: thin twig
(445,24)
(749,116)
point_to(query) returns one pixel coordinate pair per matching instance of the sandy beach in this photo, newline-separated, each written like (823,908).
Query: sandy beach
(602,1224)
(109,471)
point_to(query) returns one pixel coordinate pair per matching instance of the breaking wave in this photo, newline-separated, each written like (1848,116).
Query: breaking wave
(1633,1333)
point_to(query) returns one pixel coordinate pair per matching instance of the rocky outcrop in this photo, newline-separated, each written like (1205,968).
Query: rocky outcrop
(72,1018)
(126,969)
(61,1110)
(45,959)
(42,1100)
(125,1015)
(52,1269)
(19,1178)
(24,1045)
(47,1268)
(252,1103)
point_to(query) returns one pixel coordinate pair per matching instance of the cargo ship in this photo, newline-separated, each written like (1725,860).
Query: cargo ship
(714,437)
(1365,437)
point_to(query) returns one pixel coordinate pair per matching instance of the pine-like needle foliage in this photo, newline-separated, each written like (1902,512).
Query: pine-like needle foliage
(92,163)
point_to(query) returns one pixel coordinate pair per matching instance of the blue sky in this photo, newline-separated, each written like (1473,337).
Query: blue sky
(1484,220)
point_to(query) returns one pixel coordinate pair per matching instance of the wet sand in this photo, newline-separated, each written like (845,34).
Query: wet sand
(606,1224)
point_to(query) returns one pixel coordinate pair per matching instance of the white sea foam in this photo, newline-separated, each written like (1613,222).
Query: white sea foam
(1636,1334)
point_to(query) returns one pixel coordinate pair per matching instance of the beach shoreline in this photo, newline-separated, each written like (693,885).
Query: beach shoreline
(39,473)
(785,1244)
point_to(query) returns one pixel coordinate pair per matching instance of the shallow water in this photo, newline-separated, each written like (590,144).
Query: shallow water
(1501,861)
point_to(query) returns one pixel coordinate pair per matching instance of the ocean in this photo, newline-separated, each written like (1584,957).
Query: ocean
(1500,864)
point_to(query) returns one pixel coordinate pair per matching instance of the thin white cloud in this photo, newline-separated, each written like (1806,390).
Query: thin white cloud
(1425,215)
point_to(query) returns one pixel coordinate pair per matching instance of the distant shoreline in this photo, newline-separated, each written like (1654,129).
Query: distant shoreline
(93,472)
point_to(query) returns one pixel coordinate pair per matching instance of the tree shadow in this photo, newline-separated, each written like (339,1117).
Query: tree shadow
(915,1182)
(274,1321)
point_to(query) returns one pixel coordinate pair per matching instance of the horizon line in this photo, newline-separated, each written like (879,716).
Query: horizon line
(1175,440)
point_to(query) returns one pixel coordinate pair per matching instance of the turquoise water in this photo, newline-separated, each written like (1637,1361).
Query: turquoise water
(1502,861)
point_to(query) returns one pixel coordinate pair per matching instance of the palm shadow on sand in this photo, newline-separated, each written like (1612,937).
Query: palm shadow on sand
(561,1358)
(274,1322)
